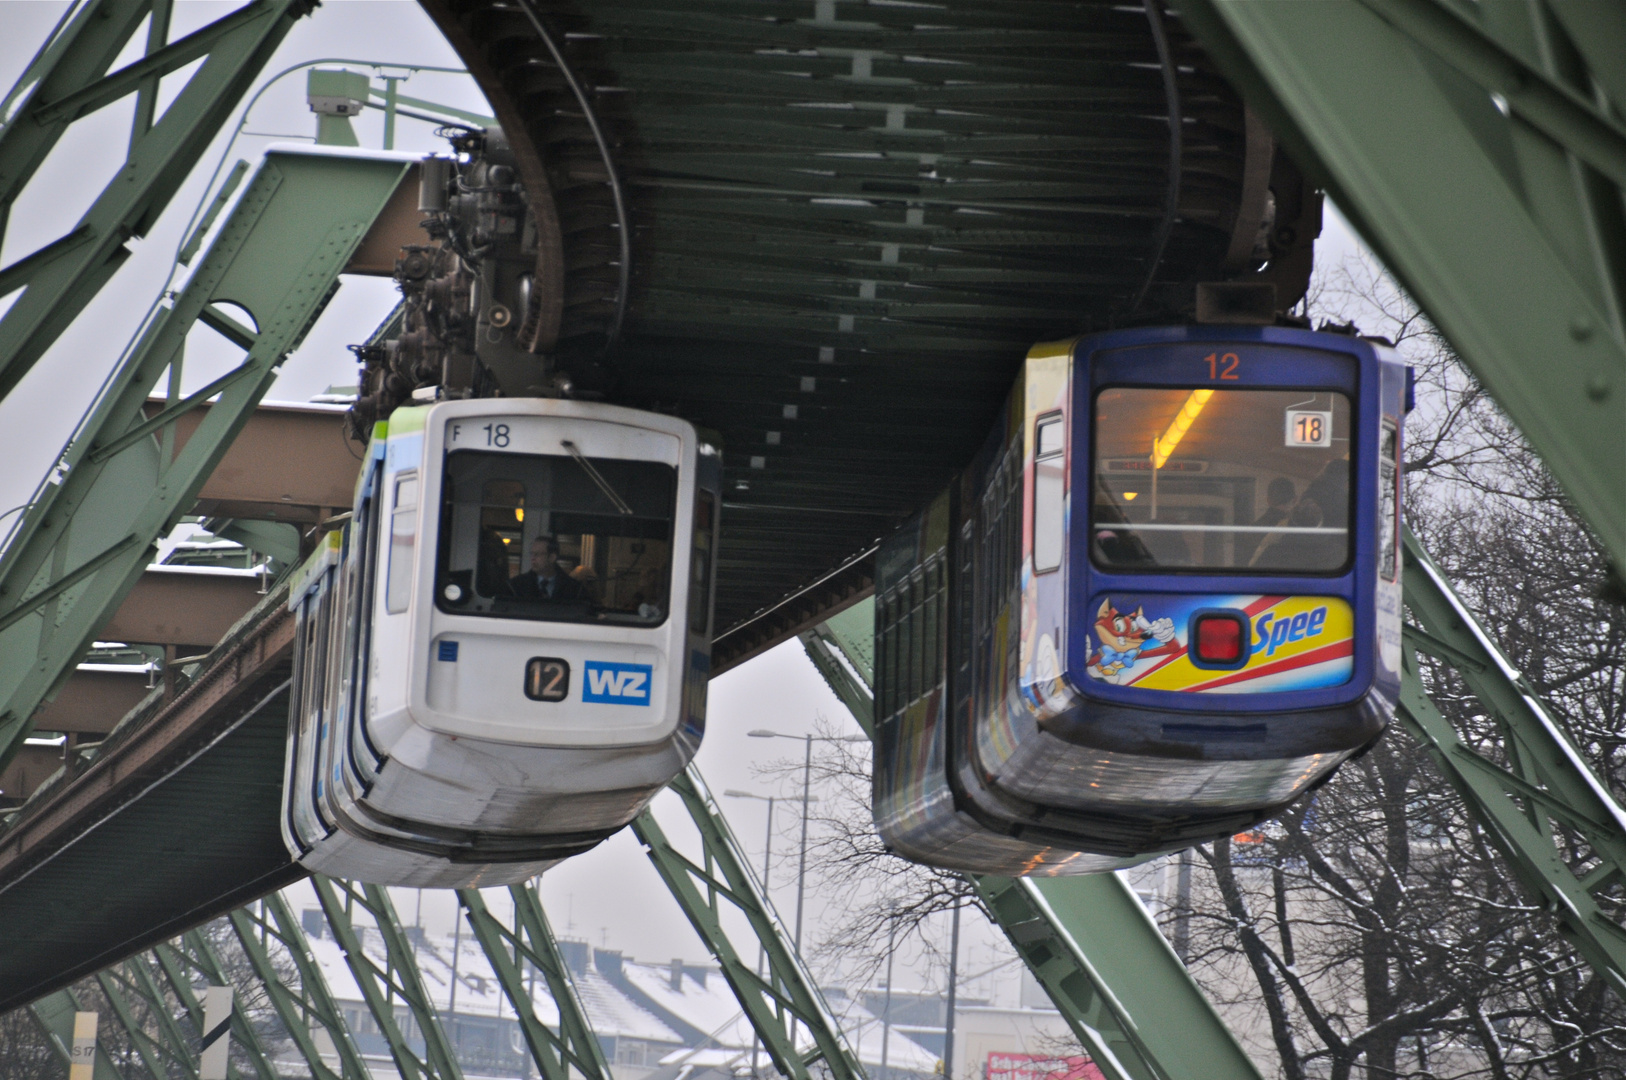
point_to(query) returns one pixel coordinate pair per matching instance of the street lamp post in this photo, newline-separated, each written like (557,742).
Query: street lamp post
(767,853)
(886,1002)
(807,798)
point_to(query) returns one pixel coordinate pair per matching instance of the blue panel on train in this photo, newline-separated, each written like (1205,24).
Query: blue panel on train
(448,652)
(617,684)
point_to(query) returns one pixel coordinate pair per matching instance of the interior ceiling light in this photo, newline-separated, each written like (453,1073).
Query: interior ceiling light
(1162,448)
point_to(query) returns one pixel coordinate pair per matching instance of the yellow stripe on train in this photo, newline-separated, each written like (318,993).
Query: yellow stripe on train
(1293,627)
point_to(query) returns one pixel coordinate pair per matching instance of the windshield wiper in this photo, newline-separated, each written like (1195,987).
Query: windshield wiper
(603,484)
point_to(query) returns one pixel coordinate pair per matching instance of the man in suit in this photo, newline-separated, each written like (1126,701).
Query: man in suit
(543,580)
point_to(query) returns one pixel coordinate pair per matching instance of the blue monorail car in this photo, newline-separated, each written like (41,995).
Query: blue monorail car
(1162,603)
(503,656)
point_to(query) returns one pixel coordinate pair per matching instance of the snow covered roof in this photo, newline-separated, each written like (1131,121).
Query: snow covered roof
(623,998)
(609,1011)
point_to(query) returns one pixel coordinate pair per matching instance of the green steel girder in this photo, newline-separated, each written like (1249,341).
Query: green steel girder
(1538,794)
(54,1014)
(156,1053)
(58,280)
(788,996)
(312,1002)
(575,1050)
(1089,941)
(86,537)
(77,54)
(1479,148)
(398,979)
(194,953)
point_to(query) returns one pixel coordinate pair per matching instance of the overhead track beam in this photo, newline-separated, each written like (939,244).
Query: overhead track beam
(86,536)
(1479,149)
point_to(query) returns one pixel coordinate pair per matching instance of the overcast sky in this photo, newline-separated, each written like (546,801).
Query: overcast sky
(611,895)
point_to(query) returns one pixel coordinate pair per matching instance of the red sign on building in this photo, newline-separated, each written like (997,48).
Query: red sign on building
(1039,1067)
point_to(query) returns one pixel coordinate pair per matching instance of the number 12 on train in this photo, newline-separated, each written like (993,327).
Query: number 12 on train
(1162,603)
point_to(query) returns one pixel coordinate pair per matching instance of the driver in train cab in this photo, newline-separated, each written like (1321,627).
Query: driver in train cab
(1279,496)
(543,580)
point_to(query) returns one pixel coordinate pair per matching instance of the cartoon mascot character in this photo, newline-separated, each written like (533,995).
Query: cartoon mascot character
(1122,639)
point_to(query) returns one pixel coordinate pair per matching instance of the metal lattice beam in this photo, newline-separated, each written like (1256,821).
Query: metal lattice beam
(118,984)
(1089,941)
(88,533)
(788,996)
(574,1050)
(1533,790)
(54,1014)
(194,953)
(257,926)
(397,979)
(58,280)
(1479,149)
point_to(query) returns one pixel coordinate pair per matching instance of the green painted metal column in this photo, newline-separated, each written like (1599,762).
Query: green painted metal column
(395,980)
(574,1050)
(193,953)
(1480,150)
(1534,793)
(54,1014)
(312,1003)
(1089,941)
(59,279)
(88,534)
(788,997)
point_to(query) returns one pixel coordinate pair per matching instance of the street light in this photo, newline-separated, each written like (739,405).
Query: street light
(767,851)
(807,786)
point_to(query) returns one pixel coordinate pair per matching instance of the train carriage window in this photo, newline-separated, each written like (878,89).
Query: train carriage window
(705,511)
(403,544)
(931,666)
(1389,502)
(917,635)
(541,536)
(1049,493)
(889,652)
(1193,478)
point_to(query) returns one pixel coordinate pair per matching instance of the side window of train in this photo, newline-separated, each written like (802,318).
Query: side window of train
(888,646)
(1389,502)
(705,512)
(1049,493)
(403,543)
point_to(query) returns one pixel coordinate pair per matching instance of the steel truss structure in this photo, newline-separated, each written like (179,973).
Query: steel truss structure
(1480,150)
(1559,827)
(1482,154)
(121,483)
(1089,941)
(786,998)
(574,1050)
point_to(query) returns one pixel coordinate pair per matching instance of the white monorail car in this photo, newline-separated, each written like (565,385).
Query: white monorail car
(503,655)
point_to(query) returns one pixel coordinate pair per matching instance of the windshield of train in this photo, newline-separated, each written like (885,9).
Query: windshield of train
(567,538)
(1238,480)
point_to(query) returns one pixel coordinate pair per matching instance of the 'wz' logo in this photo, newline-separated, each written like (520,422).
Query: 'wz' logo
(617,684)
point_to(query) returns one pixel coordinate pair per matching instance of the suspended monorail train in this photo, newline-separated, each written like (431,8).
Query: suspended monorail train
(503,655)
(1162,603)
